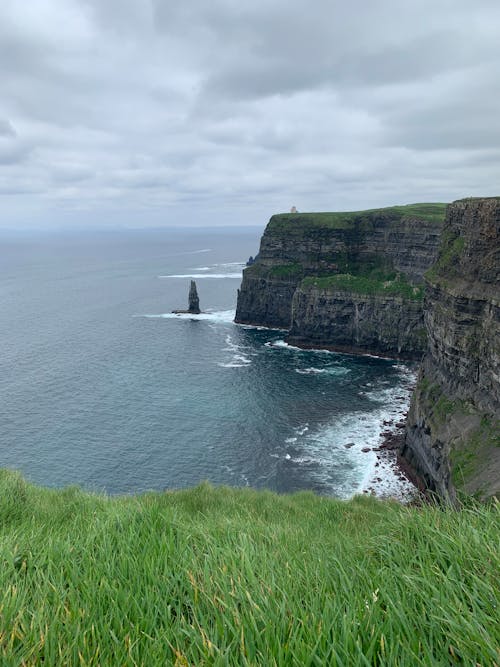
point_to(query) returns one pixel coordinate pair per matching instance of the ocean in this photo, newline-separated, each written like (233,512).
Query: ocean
(103,387)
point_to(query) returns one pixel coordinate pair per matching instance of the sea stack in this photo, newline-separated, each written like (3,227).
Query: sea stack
(194,301)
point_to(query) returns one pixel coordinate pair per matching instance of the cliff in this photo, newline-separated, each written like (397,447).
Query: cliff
(388,324)
(453,430)
(351,281)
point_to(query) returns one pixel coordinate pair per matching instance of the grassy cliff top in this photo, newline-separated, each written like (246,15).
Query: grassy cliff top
(466,199)
(434,212)
(239,577)
(367,285)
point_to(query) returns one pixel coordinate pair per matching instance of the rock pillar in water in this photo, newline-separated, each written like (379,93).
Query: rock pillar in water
(194,301)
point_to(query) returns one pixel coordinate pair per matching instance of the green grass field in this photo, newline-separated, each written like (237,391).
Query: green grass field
(238,577)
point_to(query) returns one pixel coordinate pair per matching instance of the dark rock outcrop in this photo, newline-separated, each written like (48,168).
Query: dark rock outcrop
(193,299)
(387,249)
(388,325)
(193,302)
(453,430)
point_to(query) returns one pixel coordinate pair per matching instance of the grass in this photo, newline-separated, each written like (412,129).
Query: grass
(471,199)
(470,455)
(448,260)
(239,577)
(368,285)
(473,440)
(434,212)
(293,270)
(442,406)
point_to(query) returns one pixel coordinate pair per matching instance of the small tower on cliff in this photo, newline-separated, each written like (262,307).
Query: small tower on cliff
(293,209)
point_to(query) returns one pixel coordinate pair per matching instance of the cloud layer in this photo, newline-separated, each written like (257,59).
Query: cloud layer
(148,112)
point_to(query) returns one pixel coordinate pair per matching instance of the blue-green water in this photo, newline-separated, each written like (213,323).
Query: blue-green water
(102,387)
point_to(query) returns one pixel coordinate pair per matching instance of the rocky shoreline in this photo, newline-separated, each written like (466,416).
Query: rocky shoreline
(350,349)
(393,477)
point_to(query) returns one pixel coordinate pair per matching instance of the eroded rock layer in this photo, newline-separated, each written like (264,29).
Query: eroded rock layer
(388,325)
(453,431)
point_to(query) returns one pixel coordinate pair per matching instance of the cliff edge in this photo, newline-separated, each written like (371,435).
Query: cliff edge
(453,430)
(351,281)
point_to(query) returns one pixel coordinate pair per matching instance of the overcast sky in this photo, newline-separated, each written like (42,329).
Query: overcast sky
(200,112)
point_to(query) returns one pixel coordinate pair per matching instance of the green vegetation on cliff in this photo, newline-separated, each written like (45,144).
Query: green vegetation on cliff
(391,285)
(469,456)
(239,577)
(449,256)
(356,219)
(292,270)
(473,435)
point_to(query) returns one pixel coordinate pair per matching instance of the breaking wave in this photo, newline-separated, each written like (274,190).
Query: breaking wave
(239,354)
(219,316)
(200,276)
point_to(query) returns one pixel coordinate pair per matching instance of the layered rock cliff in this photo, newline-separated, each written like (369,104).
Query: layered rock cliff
(386,324)
(351,281)
(453,430)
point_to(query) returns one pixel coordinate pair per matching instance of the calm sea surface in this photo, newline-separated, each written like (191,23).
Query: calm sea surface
(100,386)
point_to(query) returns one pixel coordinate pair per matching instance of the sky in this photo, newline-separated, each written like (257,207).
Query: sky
(142,113)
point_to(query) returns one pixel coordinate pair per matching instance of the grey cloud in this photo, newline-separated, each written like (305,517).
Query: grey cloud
(462,117)
(7,129)
(416,59)
(12,149)
(238,109)
(71,174)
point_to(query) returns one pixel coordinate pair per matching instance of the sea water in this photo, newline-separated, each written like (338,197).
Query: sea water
(102,386)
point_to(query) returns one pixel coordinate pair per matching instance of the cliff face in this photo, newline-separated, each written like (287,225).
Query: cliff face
(265,298)
(320,242)
(389,325)
(385,252)
(453,431)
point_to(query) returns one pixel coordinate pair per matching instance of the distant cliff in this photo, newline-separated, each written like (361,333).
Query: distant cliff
(453,431)
(350,281)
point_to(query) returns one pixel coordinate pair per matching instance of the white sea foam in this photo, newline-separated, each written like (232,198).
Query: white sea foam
(281,344)
(231,345)
(259,327)
(242,358)
(239,358)
(213,267)
(381,476)
(201,276)
(336,370)
(320,350)
(233,364)
(218,316)
(353,471)
(322,451)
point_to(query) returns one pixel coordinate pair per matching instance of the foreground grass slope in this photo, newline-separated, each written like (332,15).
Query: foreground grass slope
(238,577)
